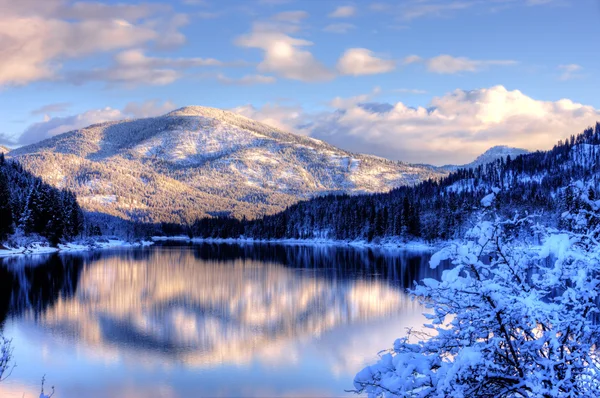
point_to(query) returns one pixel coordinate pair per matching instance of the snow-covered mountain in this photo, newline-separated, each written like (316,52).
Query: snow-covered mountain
(197,160)
(4,149)
(489,156)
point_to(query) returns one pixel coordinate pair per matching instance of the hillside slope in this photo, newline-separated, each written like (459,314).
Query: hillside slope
(538,183)
(198,161)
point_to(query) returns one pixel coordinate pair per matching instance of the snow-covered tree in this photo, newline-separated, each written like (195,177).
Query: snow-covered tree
(6,211)
(507,319)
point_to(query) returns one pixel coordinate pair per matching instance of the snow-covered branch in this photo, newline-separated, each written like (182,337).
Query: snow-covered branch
(509,320)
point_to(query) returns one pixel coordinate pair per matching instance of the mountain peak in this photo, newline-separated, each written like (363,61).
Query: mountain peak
(198,160)
(491,155)
(217,114)
(494,153)
(504,149)
(197,110)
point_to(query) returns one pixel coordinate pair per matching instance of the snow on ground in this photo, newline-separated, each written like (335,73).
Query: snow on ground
(388,243)
(43,248)
(103,199)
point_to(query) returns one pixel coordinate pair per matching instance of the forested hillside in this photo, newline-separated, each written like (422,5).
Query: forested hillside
(434,209)
(28,206)
(200,161)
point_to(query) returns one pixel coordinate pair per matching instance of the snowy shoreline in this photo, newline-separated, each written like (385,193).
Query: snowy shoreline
(383,244)
(40,248)
(392,244)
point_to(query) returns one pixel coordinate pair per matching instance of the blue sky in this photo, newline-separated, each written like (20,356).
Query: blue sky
(308,66)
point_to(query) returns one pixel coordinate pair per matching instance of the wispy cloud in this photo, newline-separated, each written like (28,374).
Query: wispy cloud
(51,108)
(569,71)
(447,64)
(409,91)
(134,67)
(420,9)
(246,80)
(343,12)
(340,28)
(361,61)
(283,54)
(290,16)
(58,125)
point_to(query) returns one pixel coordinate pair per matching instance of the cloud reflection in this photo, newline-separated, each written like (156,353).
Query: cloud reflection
(201,312)
(204,312)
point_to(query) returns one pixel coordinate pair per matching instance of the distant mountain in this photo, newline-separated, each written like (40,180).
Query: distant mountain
(4,149)
(490,156)
(199,161)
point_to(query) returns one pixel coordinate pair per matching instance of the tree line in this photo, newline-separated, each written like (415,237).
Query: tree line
(30,206)
(434,209)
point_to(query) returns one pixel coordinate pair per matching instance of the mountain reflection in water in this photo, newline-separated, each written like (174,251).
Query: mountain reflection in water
(206,308)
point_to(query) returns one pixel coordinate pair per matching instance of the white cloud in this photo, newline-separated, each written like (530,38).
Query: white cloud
(345,103)
(447,64)
(360,61)
(569,71)
(38,37)
(284,55)
(246,80)
(340,28)
(284,117)
(58,125)
(343,12)
(454,128)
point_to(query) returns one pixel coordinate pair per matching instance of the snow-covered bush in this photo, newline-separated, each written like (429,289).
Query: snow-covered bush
(6,364)
(506,320)
(43,394)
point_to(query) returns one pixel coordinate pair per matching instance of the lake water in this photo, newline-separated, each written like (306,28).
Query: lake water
(204,320)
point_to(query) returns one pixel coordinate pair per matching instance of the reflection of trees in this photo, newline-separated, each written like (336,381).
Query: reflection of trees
(209,302)
(399,267)
(36,287)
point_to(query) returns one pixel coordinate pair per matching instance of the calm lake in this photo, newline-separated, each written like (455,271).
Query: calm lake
(183,320)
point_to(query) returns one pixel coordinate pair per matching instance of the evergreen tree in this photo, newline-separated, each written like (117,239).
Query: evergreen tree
(6,211)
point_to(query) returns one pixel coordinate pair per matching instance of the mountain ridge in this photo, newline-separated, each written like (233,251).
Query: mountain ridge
(197,161)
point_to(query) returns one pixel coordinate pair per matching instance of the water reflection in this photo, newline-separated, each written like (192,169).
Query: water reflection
(212,306)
